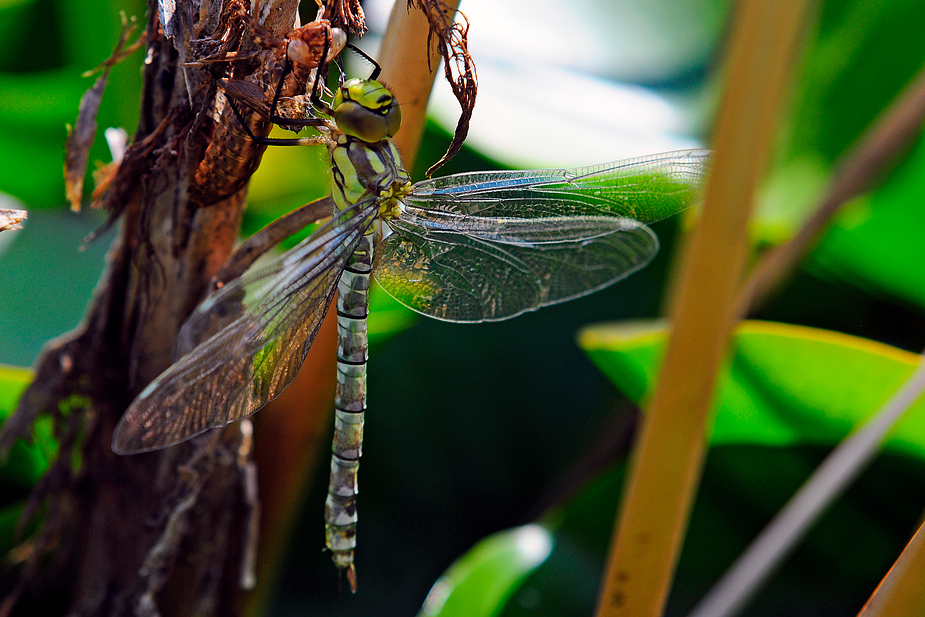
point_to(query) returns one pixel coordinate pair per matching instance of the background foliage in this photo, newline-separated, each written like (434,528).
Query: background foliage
(475,429)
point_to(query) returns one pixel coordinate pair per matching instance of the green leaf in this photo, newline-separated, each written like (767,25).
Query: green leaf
(387,316)
(34,111)
(859,58)
(875,243)
(485,577)
(785,385)
(26,462)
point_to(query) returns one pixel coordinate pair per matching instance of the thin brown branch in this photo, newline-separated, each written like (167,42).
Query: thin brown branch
(901,593)
(451,39)
(859,170)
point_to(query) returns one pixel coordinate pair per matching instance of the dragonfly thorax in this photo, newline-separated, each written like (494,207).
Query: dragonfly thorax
(390,199)
(366,109)
(362,170)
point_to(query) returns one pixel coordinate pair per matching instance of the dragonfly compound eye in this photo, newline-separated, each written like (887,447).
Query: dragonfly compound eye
(365,109)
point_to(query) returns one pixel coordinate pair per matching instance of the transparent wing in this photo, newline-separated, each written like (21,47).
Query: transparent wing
(647,189)
(244,344)
(471,268)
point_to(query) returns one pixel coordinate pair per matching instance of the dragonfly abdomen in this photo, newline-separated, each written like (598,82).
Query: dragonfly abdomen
(349,405)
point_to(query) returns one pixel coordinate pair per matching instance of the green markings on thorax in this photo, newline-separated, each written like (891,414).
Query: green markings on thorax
(360,169)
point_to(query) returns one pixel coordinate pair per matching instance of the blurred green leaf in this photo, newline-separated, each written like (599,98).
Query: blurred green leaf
(26,462)
(34,110)
(861,57)
(786,384)
(286,179)
(387,316)
(876,242)
(857,61)
(485,577)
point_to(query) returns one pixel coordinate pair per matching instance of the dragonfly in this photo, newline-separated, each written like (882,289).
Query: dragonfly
(471,247)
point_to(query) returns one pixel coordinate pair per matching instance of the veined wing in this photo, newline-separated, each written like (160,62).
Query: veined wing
(245,343)
(475,268)
(647,189)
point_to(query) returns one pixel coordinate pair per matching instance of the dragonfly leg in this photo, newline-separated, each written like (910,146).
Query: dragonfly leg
(316,85)
(376,68)
(278,141)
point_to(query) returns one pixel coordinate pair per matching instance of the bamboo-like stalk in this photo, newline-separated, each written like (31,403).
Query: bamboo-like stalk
(668,459)
(289,432)
(859,169)
(901,592)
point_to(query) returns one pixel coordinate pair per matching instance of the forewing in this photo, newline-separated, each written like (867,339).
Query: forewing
(472,269)
(647,189)
(245,343)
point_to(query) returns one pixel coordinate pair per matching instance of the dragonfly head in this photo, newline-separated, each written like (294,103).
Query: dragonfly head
(365,109)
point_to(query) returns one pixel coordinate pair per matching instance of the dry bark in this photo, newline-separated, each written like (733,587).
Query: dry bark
(161,533)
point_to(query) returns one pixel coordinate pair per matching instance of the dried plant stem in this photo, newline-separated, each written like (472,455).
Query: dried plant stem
(901,593)
(859,170)
(12,219)
(668,459)
(271,235)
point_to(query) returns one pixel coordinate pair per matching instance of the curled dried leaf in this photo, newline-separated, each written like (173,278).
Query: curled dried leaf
(80,137)
(451,40)
(347,15)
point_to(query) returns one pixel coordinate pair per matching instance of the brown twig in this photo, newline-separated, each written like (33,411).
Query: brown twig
(901,593)
(408,67)
(451,39)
